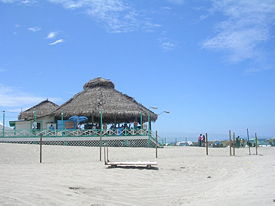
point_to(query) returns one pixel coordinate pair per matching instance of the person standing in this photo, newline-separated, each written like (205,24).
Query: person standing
(203,141)
(200,140)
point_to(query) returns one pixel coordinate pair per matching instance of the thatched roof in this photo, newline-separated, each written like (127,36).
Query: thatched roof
(44,108)
(100,95)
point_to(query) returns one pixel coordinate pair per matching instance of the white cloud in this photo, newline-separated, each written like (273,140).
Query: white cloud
(257,69)
(247,25)
(116,15)
(56,42)
(19,1)
(8,1)
(51,35)
(176,1)
(27,1)
(3,70)
(17,110)
(167,44)
(10,97)
(34,29)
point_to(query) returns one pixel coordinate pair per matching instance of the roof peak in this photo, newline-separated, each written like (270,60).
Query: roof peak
(99,82)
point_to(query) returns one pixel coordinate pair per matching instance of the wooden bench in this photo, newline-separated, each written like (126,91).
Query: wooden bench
(131,164)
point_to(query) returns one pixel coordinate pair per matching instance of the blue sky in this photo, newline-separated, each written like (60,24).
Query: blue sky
(209,62)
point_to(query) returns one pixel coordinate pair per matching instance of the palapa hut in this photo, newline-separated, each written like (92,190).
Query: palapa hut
(44,108)
(100,95)
(41,113)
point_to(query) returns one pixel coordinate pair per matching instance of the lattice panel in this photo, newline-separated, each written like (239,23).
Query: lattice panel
(94,143)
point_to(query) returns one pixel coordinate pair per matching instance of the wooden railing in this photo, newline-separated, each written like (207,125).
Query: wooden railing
(75,133)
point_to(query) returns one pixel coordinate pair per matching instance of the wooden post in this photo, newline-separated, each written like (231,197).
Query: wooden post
(256,142)
(40,148)
(100,143)
(234,144)
(104,153)
(248,141)
(100,146)
(156,144)
(3,124)
(230,142)
(107,153)
(206,143)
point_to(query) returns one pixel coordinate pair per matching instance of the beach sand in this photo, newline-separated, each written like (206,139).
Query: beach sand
(185,176)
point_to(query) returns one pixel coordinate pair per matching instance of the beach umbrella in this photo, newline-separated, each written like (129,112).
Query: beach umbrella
(78,118)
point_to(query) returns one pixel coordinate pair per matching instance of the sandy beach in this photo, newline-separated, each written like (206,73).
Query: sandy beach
(185,176)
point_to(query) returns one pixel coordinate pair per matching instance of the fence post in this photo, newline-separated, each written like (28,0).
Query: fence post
(256,142)
(156,144)
(3,124)
(100,143)
(104,153)
(230,142)
(248,141)
(234,144)
(206,143)
(40,148)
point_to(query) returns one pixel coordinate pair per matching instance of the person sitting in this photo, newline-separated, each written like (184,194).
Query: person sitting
(135,125)
(97,126)
(81,127)
(144,126)
(112,127)
(125,129)
(51,127)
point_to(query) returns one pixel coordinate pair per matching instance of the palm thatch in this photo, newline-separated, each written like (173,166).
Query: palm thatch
(44,108)
(100,95)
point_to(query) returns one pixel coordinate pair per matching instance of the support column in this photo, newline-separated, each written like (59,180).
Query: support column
(149,124)
(62,119)
(141,121)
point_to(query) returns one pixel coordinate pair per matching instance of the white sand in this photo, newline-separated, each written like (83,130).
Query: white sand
(74,176)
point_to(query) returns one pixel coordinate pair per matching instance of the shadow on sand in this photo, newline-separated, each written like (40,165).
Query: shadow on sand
(133,167)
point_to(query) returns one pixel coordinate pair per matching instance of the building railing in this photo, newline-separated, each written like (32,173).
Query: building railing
(75,133)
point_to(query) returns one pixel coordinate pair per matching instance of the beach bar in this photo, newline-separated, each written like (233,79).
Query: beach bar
(97,115)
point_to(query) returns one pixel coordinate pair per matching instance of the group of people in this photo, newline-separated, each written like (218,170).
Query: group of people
(119,129)
(201,140)
(239,142)
(124,126)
